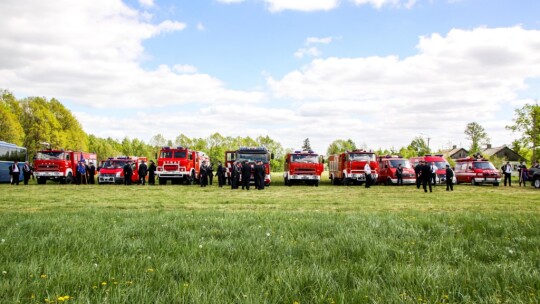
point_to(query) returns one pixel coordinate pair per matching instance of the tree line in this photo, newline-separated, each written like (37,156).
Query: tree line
(33,122)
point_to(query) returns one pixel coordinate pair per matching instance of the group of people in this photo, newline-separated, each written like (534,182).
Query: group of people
(85,173)
(522,173)
(142,171)
(15,173)
(426,175)
(241,173)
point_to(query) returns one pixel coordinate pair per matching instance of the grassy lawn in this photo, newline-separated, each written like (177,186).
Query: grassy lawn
(300,244)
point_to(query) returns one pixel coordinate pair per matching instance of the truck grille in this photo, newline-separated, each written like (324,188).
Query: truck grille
(170,167)
(47,167)
(304,171)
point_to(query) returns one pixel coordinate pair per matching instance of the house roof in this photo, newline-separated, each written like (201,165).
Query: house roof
(451,152)
(496,150)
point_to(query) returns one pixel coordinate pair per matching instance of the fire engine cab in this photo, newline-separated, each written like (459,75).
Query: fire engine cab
(111,171)
(436,160)
(251,155)
(476,171)
(59,165)
(348,167)
(387,170)
(303,167)
(179,165)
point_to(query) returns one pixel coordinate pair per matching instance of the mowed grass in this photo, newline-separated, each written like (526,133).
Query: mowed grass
(300,244)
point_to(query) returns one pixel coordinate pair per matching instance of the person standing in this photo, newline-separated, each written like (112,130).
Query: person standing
(507,171)
(209,172)
(246,175)
(142,171)
(367,172)
(399,175)
(256,175)
(418,172)
(152,173)
(433,173)
(27,172)
(449,179)
(203,174)
(262,175)
(91,174)
(522,170)
(128,173)
(426,177)
(220,174)
(81,173)
(15,173)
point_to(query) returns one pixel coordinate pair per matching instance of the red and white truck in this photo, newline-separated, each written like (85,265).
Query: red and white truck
(179,165)
(111,171)
(59,165)
(348,167)
(477,171)
(387,170)
(251,155)
(303,167)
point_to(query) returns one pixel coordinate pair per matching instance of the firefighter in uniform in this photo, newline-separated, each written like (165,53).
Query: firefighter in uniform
(209,172)
(426,176)
(246,175)
(91,173)
(128,173)
(449,179)
(27,172)
(220,175)
(418,172)
(256,175)
(262,175)
(152,173)
(203,171)
(15,173)
(143,170)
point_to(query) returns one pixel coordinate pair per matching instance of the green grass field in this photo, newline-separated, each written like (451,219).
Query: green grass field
(300,244)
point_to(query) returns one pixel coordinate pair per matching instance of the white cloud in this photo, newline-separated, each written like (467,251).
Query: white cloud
(314,40)
(184,69)
(301,5)
(200,26)
(93,57)
(391,3)
(146,3)
(312,51)
(467,75)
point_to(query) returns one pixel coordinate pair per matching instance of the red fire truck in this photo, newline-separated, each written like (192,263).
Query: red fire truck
(387,170)
(59,165)
(251,155)
(438,161)
(476,171)
(303,167)
(178,165)
(348,167)
(111,171)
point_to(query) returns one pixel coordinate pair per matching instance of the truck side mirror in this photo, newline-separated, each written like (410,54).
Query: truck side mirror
(470,167)
(155,156)
(287,160)
(322,160)
(271,155)
(386,166)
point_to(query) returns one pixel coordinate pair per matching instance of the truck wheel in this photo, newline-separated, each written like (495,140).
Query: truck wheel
(536,182)
(41,181)
(162,181)
(286,181)
(192,179)
(69,178)
(317,184)
(346,181)
(496,184)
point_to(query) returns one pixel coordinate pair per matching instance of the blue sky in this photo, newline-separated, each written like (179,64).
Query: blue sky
(380,72)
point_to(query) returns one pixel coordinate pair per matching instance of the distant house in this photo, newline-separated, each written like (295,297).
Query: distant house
(502,152)
(455,153)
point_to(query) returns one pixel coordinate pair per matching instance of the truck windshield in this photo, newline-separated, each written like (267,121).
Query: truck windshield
(483,165)
(440,164)
(403,162)
(252,157)
(305,158)
(114,164)
(50,155)
(362,156)
(173,154)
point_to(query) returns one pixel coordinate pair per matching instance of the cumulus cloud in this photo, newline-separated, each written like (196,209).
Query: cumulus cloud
(301,5)
(314,40)
(93,57)
(464,76)
(391,3)
(312,51)
(146,3)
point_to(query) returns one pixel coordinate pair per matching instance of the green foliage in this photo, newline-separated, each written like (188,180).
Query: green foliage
(306,146)
(477,135)
(339,146)
(527,123)
(10,128)
(419,147)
